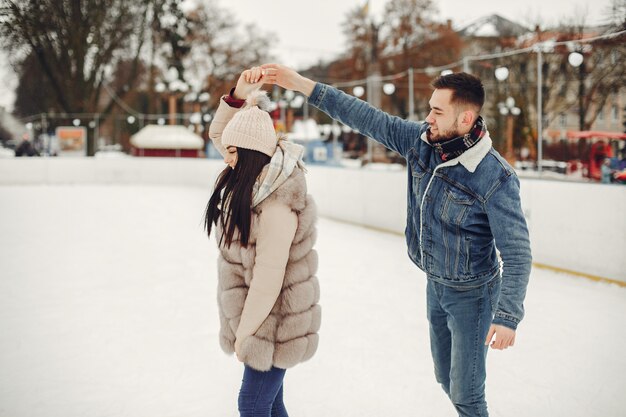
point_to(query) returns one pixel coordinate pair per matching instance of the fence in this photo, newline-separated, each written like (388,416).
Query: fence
(578,227)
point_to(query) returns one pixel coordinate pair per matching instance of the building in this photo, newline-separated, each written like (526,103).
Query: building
(166,141)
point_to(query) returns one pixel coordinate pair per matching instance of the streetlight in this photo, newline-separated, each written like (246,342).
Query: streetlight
(197,101)
(289,101)
(540,48)
(175,86)
(389,88)
(576,60)
(509,110)
(502,73)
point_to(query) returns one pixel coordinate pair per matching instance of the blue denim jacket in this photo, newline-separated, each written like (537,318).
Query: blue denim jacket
(457,211)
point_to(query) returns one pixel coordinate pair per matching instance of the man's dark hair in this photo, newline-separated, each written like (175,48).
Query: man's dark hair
(466,88)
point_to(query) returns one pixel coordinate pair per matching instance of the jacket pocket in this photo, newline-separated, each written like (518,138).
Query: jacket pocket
(456,206)
(417,173)
(455,209)
(417,179)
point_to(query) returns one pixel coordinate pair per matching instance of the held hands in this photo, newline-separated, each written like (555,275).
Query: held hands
(253,78)
(250,80)
(504,337)
(287,78)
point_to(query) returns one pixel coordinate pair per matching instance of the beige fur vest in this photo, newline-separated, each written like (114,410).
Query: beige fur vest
(289,334)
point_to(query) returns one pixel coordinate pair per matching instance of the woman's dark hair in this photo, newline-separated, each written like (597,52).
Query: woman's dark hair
(466,88)
(231,201)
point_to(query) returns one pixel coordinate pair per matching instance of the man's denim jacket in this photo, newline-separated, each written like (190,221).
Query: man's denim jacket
(457,211)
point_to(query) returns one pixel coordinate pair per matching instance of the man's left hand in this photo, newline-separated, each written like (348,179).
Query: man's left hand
(504,337)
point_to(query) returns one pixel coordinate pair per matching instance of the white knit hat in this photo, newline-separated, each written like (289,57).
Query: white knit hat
(252,127)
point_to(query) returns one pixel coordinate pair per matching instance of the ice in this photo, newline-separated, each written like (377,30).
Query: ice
(107,308)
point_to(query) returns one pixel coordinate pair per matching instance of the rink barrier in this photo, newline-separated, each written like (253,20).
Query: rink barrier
(578,228)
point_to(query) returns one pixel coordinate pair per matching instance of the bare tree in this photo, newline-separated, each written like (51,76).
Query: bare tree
(584,89)
(76,43)
(34,93)
(221,49)
(615,15)
(357,31)
(408,23)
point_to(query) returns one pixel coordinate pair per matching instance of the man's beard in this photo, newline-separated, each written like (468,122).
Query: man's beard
(442,136)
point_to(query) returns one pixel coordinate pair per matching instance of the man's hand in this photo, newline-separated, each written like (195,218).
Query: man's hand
(287,78)
(504,337)
(249,81)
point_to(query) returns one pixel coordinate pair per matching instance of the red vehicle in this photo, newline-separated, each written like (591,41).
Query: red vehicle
(594,147)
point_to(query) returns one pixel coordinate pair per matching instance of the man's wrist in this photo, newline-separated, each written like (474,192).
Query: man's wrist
(306,86)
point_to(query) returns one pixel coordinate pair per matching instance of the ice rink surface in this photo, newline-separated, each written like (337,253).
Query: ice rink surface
(107,308)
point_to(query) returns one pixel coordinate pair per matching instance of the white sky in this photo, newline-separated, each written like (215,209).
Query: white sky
(311,30)
(316,30)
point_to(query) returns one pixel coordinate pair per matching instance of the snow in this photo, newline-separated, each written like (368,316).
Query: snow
(487,30)
(107,308)
(111,154)
(305,130)
(6,152)
(166,137)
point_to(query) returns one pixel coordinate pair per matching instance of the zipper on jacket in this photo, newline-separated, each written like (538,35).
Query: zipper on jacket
(422,214)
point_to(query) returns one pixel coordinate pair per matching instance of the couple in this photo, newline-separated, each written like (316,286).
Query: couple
(463,201)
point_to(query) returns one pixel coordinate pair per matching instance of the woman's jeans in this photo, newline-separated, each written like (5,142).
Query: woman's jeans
(261,393)
(459,321)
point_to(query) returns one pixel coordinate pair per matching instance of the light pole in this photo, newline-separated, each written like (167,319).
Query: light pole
(509,110)
(175,86)
(196,101)
(539,50)
(411,98)
(577,60)
(286,103)
(373,86)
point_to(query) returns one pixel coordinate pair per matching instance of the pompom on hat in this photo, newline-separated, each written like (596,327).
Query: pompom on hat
(252,127)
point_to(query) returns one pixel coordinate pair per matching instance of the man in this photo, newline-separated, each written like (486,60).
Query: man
(463,201)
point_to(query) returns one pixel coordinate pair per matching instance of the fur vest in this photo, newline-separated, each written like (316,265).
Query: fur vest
(289,334)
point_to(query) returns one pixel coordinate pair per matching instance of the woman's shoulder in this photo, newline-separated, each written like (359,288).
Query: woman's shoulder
(292,192)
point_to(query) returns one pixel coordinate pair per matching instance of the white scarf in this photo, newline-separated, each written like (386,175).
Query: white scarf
(287,157)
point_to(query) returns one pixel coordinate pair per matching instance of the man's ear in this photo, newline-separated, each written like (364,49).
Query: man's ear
(468,118)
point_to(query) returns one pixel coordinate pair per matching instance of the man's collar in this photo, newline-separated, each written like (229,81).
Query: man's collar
(470,158)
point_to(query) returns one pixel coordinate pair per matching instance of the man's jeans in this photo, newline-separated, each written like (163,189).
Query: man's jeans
(261,393)
(459,321)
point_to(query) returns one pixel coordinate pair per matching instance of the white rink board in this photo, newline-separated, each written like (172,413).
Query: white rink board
(579,227)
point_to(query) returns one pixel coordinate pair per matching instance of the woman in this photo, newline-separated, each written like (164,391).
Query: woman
(265,229)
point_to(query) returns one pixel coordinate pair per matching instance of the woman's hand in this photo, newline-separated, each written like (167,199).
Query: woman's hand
(250,80)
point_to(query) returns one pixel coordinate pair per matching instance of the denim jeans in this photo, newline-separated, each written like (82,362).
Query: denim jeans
(459,320)
(261,393)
